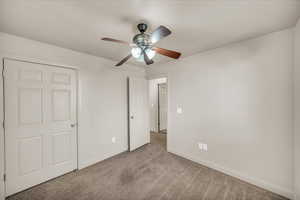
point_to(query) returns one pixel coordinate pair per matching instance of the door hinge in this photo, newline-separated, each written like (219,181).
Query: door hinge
(3,124)
(3,73)
(4,177)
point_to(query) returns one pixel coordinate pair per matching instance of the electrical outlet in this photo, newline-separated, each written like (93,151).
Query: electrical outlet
(113,139)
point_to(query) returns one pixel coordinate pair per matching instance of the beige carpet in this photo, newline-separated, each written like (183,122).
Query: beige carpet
(147,173)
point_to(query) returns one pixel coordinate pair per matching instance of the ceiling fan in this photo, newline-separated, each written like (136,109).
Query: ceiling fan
(142,46)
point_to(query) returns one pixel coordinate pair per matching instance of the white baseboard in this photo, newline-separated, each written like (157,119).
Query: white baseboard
(260,183)
(95,159)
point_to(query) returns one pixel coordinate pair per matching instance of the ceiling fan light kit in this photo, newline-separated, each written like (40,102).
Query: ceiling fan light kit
(142,46)
(138,53)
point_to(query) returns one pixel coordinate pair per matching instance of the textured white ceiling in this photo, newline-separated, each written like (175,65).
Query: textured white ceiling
(196,25)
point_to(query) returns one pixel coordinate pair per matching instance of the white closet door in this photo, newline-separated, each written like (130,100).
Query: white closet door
(139,132)
(40,119)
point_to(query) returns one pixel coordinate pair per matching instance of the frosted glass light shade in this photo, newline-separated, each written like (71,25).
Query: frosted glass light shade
(138,53)
(150,53)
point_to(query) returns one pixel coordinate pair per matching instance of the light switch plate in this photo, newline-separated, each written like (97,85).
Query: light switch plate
(179,110)
(204,146)
(113,139)
(200,145)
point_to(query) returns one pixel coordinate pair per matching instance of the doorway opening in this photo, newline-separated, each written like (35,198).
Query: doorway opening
(158,100)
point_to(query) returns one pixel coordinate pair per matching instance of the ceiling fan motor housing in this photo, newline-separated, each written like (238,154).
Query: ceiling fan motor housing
(142,40)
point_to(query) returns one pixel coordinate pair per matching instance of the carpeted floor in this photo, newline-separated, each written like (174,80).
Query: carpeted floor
(149,173)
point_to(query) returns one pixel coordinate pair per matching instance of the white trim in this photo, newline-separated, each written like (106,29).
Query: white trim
(258,182)
(2,184)
(35,61)
(95,160)
(169,110)
(157,76)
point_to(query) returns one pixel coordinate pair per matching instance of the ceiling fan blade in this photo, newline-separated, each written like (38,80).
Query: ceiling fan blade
(166,52)
(114,40)
(159,33)
(146,58)
(124,60)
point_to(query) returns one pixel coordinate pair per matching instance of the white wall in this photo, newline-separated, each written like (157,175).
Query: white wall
(102,96)
(297,111)
(153,102)
(238,99)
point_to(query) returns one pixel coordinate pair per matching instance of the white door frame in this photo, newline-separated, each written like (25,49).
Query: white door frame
(3,93)
(153,77)
(158,105)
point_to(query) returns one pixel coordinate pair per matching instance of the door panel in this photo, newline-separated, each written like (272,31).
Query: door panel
(61,105)
(30,155)
(40,107)
(139,132)
(61,78)
(61,147)
(30,106)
